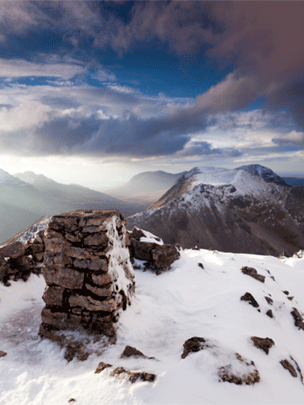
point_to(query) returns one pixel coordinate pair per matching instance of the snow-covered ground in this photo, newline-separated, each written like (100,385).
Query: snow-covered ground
(168,309)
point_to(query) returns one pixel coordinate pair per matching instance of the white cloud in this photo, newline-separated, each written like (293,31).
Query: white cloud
(51,66)
(294,137)
(23,116)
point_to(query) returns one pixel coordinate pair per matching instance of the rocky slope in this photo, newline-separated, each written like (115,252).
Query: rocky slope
(229,210)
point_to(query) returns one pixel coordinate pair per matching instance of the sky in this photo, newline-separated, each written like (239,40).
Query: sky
(94,92)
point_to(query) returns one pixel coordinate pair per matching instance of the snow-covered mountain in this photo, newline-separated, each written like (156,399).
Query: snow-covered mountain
(229,210)
(267,174)
(245,329)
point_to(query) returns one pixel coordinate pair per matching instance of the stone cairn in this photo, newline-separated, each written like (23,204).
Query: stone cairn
(88,272)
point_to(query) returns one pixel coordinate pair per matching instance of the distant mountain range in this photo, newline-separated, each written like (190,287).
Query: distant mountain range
(294,181)
(25,197)
(244,221)
(249,209)
(146,187)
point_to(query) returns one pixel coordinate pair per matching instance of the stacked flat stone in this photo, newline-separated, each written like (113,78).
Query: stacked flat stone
(87,270)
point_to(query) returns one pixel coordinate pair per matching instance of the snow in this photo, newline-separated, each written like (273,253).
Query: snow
(244,182)
(31,232)
(151,238)
(119,256)
(168,309)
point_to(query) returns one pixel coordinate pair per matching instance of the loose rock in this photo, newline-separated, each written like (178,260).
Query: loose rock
(133,352)
(250,271)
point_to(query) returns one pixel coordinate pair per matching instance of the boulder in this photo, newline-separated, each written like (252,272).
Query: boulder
(157,256)
(13,250)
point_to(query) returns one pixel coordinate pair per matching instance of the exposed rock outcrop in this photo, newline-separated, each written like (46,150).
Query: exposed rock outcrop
(262,343)
(88,272)
(133,376)
(157,255)
(288,366)
(121,372)
(250,299)
(133,352)
(298,319)
(18,260)
(229,366)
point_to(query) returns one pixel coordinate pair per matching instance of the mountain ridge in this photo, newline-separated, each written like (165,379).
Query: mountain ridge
(239,212)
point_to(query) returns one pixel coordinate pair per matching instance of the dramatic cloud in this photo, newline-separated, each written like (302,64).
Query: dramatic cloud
(82,108)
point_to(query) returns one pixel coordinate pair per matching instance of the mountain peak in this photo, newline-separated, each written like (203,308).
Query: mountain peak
(262,171)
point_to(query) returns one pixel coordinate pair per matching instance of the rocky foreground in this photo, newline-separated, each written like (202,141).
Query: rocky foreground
(204,326)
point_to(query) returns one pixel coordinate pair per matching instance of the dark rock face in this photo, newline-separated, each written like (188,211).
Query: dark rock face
(262,343)
(250,271)
(158,257)
(2,354)
(269,313)
(88,272)
(250,299)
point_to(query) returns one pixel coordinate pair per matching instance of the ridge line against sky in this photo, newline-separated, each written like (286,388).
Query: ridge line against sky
(94,92)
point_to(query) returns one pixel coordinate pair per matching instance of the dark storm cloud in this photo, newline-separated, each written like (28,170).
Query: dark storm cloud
(195,148)
(130,136)
(262,41)
(138,137)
